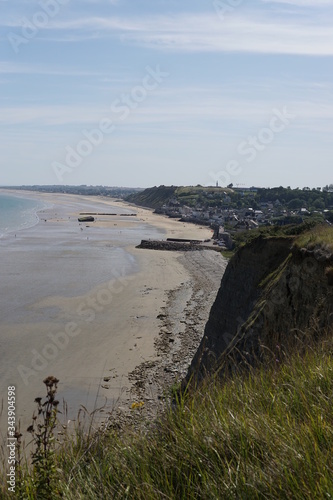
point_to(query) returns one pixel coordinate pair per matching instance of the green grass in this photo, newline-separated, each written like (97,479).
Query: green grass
(196,190)
(319,237)
(264,434)
(311,232)
(243,238)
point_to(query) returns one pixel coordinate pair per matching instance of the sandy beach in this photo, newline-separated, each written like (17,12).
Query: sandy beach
(80,302)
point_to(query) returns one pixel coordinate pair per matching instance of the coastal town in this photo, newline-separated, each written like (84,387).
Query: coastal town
(232,210)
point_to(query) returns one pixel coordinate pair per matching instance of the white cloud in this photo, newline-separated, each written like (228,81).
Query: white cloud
(107,2)
(255,33)
(33,69)
(8,68)
(303,3)
(190,107)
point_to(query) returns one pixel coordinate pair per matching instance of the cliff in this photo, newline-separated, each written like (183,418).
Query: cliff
(273,291)
(153,197)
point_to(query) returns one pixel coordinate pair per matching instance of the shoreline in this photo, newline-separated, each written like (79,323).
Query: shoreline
(181,326)
(36,210)
(126,356)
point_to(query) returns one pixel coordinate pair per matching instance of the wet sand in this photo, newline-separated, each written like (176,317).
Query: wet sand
(80,302)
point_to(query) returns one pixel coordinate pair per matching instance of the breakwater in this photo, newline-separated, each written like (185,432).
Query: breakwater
(176,246)
(113,214)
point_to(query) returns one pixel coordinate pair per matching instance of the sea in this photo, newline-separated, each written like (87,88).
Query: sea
(17,212)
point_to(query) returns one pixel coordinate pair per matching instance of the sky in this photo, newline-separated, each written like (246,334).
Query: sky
(140,93)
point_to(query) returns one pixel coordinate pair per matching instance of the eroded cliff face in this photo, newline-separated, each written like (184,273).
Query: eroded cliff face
(270,294)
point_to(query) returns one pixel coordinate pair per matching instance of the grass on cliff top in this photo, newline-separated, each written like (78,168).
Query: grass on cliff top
(267,434)
(319,237)
(311,229)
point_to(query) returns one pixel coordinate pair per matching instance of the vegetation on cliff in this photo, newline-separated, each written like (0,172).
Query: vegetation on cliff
(320,237)
(305,228)
(153,197)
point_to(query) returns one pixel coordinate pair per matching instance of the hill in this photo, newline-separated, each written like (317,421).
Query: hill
(314,200)
(153,197)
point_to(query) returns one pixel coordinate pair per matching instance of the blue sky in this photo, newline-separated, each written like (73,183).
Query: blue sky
(149,92)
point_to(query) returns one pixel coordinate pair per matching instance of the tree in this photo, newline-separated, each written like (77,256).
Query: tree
(320,204)
(296,203)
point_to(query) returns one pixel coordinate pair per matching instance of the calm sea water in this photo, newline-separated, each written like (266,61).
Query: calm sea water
(17,213)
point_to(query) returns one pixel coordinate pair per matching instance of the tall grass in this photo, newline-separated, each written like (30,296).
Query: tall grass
(320,236)
(267,433)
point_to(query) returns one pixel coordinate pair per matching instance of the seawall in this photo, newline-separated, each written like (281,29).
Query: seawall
(176,245)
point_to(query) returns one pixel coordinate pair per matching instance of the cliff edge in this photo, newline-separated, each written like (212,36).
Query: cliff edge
(274,290)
